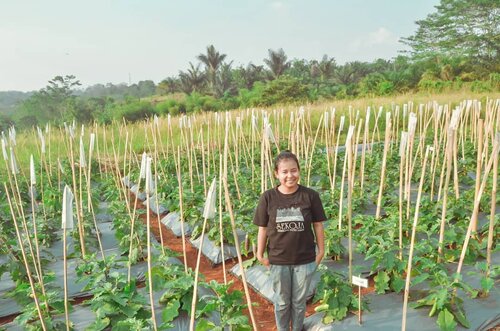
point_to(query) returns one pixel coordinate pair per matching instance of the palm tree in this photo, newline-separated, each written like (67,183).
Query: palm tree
(249,75)
(212,61)
(192,80)
(323,70)
(224,81)
(344,74)
(168,85)
(277,62)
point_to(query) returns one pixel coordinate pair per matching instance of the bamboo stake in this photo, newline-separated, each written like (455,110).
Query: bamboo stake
(312,151)
(25,260)
(478,168)
(350,186)
(402,161)
(235,234)
(363,152)
(181,209)
(412,243)
(148,228)
(492,210)
(384,162)
(220,221)
(67,224)
(208,212)
(494,155)
(448,156)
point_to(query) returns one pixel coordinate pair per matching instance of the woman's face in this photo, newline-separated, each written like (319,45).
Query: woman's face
(288,174)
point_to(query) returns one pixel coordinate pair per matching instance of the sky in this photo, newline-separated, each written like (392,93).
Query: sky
(111,41)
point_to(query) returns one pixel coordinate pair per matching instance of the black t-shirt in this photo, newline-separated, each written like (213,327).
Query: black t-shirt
(288,218)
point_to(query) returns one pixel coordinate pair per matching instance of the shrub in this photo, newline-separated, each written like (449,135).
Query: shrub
(285,89)
(134,111)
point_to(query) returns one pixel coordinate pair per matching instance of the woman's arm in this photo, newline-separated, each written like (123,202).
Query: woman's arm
(320,241)
(261,245)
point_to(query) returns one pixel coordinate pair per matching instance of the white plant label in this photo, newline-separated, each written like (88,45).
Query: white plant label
(358,281)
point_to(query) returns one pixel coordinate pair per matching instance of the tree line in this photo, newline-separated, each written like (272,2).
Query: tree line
(454,48)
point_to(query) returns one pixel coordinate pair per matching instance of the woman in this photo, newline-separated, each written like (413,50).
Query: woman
(286,216)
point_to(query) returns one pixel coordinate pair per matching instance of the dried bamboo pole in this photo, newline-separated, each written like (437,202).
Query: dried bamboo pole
(312,151)
(35,227)
(412,243)
(477,200)
(350,186)
(384,162)
(181,207)
(478,168)
(363,150)
(25,261)
(220,221)
(492,209)
(235,234)
(67,224)
(448,157)
(148,229)
(402,160)
(208,213)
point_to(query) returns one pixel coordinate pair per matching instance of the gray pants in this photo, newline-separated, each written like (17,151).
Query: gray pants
(290,285)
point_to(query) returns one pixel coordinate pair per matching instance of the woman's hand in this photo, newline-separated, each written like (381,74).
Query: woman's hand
(261,244)
(319,258)
(264,261)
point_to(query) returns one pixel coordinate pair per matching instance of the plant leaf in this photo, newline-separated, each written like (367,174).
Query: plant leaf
(446,321)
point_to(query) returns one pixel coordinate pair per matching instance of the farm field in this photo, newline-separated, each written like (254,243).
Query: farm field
(149,226)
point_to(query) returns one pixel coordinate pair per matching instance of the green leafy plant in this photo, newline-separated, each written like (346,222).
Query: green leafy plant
(229,304)
(336,297)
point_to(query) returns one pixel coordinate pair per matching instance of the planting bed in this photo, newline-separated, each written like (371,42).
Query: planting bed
(401,188)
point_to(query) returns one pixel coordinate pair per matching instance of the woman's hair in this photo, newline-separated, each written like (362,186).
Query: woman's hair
(285,155)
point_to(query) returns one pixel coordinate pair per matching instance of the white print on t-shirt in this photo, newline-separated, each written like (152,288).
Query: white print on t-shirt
(289,220)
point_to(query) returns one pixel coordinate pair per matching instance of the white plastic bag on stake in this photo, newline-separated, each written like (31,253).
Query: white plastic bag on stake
(412,124)
(142,172)
(342,121)
(92,142)
(4,151)
(83,163)
(12,136)
(32,171)
(269,133)
(13,163)
(61,169)
(402,146)
(67,209)
(42,144)
(150,183)
(209,209)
